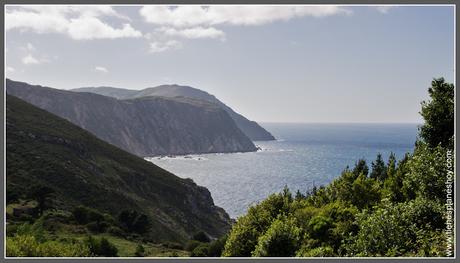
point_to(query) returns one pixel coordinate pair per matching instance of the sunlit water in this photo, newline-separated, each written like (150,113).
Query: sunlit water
(304,155)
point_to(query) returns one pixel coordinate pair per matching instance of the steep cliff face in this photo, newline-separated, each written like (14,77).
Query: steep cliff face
(84,170)
(251,128)
(143,126)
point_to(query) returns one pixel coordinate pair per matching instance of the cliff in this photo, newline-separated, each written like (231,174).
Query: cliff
(144,126)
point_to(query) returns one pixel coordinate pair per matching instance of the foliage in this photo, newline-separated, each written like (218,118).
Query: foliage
(140,250)
(280,240)
(132,221)
(315,252)
(201,251)
(438,115)
(192,244)
(245,233)
(379,170)
(28,246)
(360,168)
(101,247)
(216,247)
(42,194)
(395,210)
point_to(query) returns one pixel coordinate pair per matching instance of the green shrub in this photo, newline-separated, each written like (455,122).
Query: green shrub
(140,250)
(192,244)
(282,239)
(216,247)
(201,251)
(101,247)
(28,246)
(315,252)
(244,235)
(132,221)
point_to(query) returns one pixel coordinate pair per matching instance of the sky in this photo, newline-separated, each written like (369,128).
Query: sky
(270,63)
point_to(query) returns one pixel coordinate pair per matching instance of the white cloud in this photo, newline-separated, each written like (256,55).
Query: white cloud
(78,22)
(192,16)
(194,22)
(93,28)
(384,8)
(10,69)
(194,32)
(101,69)
(157,47)
(30,60)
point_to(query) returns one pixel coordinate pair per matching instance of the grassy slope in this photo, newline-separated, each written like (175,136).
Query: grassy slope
(45,149)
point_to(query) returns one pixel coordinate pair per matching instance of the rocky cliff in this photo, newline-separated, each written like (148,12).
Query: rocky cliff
(251,128)
(144,126)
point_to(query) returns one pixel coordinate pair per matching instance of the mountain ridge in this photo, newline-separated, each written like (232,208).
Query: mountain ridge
(146,126)
(251,128)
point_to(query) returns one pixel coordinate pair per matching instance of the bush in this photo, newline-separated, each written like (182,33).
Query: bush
(216,247)
(101,247)
(315,252)
(132,221)
(426,173)
(385,232)
(201,251)
(244,235)
(93,227)
(28,246)
(281,239)
(84,215)
(192,244)
(139,251)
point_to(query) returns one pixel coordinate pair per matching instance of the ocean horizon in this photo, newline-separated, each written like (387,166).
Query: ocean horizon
(303,156)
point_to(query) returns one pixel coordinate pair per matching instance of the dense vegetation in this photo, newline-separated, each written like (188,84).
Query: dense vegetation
(394,208)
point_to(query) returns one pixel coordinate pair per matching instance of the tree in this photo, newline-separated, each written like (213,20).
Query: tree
(42,195)
(217,246)
(379,170)
(299,195)
(245,232)
(438,114)
(319,227)
(107,249)
(132,221)
(360,168)
(101,247)
(395,174)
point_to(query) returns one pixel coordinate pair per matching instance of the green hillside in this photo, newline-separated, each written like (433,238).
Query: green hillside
(73,168)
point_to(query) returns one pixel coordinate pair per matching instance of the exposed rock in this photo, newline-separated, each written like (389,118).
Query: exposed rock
(144,126)
(253,130)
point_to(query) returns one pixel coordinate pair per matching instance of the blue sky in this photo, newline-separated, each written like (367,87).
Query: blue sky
(270,63)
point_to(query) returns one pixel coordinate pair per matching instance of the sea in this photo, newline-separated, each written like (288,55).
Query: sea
(303,156)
